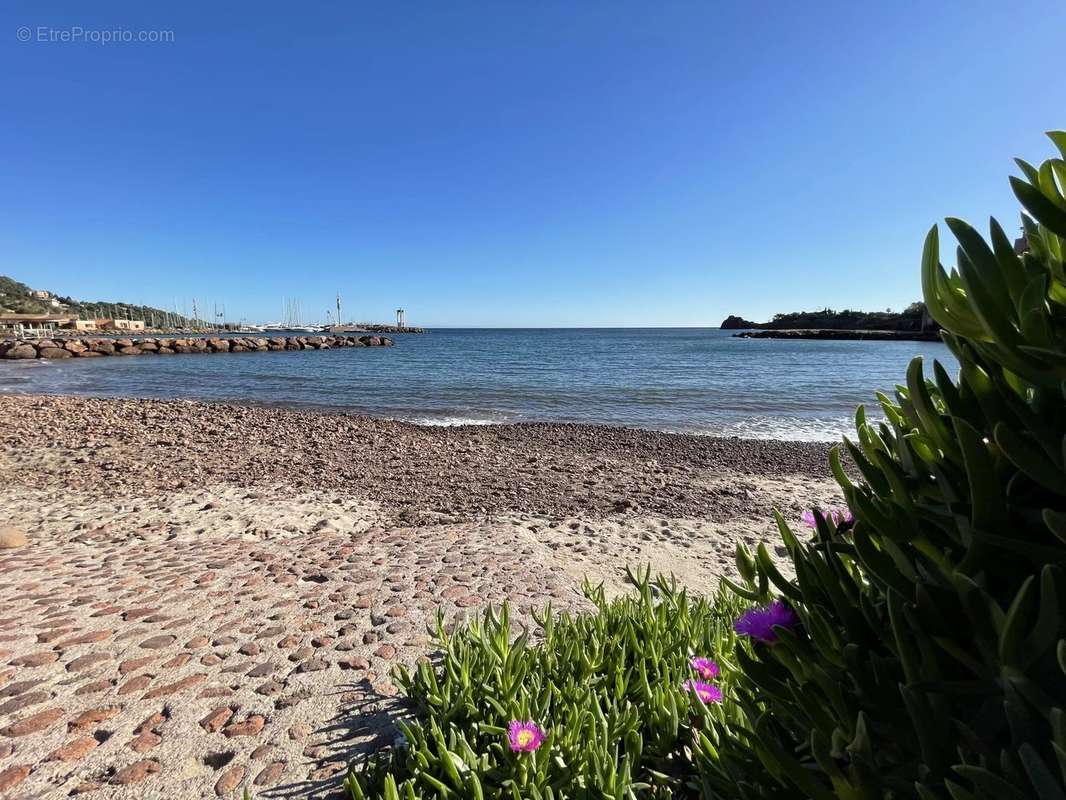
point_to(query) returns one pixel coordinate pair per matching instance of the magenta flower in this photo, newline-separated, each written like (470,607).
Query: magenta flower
(839,517)
(706,692)
(704,667)
(759,623)
(525,737)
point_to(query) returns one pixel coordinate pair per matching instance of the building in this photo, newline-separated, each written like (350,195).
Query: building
(128,324)
(40,294)
(31,324)
(86,324)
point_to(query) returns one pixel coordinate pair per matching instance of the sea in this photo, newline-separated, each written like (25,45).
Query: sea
(692,380)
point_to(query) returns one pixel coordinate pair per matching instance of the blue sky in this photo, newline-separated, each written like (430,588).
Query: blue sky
(513,163)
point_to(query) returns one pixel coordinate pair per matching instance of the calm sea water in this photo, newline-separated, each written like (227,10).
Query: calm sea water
(693,380)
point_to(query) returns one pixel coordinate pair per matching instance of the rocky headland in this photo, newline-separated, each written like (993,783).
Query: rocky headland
(836,334)
(911,324)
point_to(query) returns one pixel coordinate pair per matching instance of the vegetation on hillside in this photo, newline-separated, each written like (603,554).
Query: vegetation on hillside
(918,651)
(912,318)
(18,298)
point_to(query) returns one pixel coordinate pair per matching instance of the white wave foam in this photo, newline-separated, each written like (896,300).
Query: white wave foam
(797,429)
(448,422)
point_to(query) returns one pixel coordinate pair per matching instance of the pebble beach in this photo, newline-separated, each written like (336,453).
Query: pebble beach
(201,598)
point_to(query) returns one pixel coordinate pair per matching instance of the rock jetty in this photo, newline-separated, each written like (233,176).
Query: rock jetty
(93,348)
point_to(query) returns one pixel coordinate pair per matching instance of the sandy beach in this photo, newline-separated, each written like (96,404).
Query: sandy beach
(212,596)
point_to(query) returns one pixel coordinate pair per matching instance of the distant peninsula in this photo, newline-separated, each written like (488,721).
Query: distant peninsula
(913,322)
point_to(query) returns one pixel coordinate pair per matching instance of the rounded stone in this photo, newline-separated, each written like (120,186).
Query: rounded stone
(157,642)
(74,750)
(33,723)
(270,774)
(38,659)
(230,780)
(248,727)
(214,721)
(93,717)
(55,352)
(145,741)
(11,538)
(21,351)
(13,776)
(136,772)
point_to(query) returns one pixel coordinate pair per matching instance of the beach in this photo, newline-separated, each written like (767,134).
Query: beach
(684,380)
(212,596)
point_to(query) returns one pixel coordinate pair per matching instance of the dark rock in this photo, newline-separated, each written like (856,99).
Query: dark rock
(21,351)
(54,352)
(735,323)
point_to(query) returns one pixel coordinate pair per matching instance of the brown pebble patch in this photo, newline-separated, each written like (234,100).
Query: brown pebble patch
(93,717)
(13,776)
(135,772)
(33,723)
(216,719)
(38,659)
(246,727)
(158,642)
(270,774)
(230,780)
(74,750)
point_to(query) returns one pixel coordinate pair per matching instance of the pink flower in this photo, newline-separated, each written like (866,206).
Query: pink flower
(836,517)
(759,623)
(706,692)
(525,737)
(704,667)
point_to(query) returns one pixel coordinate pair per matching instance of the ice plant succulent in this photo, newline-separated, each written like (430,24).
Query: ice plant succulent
(759,623)
(706,692)
(704,667)
(525,737)
(840,517)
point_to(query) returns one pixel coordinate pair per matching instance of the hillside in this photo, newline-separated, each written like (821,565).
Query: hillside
(18,298)
(912,318)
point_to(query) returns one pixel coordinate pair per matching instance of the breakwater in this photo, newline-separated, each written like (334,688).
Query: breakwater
(14,349)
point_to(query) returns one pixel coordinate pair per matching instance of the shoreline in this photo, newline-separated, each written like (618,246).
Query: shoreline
(418,419)
(212,595)
(559,445)
(840,334)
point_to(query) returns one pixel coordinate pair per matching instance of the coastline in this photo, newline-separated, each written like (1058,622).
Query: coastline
(840,334)
(704,382)
(206,579)
(525,467)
